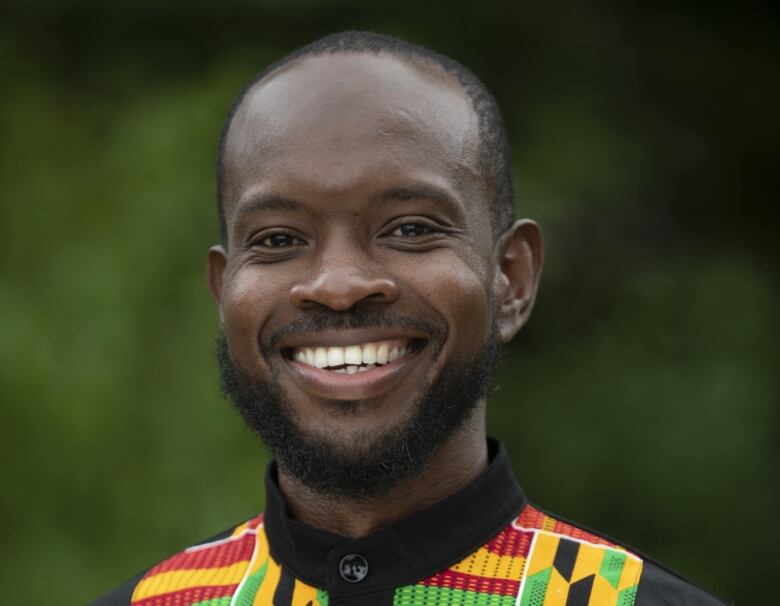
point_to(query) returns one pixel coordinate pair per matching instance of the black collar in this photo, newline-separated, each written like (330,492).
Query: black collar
(411,549)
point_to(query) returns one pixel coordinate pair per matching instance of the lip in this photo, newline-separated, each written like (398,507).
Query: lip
(358,386)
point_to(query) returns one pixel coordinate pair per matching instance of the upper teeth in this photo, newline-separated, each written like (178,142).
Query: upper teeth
(352,357)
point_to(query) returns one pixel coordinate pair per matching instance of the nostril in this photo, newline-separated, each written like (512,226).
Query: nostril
(341,291)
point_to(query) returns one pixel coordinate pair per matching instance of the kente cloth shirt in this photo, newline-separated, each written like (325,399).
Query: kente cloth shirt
(484,546)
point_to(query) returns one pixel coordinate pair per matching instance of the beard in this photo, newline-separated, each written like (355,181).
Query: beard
(372,463)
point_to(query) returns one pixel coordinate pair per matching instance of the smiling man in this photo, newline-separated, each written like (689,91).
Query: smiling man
(370,269)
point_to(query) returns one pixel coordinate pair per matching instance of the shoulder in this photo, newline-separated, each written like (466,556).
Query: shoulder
(120,595)
(561,558)
(660,586)
(221,557)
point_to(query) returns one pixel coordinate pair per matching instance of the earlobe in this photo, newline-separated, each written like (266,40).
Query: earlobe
(520,258)
(216,263)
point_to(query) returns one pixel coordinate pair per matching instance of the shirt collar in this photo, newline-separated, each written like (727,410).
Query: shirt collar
(413,548)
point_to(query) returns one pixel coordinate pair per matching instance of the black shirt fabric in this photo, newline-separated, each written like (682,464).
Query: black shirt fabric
(483,546)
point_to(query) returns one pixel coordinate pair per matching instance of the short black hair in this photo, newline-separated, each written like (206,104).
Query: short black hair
(494,155)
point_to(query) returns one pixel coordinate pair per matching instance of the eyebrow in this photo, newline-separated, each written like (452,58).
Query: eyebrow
(424,191)
(267,202)
(274,202)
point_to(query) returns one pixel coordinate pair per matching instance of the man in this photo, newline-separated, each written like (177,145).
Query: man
(370,269)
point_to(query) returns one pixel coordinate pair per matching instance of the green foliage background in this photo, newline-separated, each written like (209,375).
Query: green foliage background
(642,400)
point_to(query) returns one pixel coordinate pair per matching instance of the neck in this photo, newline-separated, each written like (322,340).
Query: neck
(454,465)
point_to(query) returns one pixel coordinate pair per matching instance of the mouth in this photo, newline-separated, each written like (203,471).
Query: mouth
(357,368)
(356,358)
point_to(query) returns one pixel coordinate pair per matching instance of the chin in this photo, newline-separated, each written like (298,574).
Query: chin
(355,428)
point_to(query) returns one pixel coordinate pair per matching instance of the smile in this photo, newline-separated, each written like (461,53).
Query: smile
(353,358)
(351,365)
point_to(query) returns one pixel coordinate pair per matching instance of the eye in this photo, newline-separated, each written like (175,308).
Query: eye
(411,230)
(279,240)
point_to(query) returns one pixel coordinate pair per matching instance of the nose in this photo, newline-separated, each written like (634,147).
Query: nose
(340,286)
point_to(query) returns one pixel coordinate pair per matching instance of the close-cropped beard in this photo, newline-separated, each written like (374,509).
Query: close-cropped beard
(386,458)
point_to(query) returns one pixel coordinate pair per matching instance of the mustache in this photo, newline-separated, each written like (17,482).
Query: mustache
(324,320)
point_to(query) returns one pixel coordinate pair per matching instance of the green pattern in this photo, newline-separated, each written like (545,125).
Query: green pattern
(535,588)
(627,596)
(612,566)
(223,601)
(249,589)
(322,597)
(422,595)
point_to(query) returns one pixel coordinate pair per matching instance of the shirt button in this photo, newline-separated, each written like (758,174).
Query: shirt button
(353,568)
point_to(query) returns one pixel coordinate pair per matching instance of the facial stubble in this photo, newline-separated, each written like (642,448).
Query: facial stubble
(376,461)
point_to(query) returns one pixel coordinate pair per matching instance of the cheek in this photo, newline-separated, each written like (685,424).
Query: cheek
(458,292)
(247,303)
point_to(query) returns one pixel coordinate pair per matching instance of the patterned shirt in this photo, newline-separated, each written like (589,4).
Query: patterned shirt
(484,546)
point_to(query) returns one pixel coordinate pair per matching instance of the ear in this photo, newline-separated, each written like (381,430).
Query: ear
(520,257)
(216,263)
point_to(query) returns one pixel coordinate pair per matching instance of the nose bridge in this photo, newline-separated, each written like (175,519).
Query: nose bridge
(343,249)
(343,275)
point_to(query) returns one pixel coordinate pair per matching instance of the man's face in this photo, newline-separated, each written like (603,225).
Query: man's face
(359,265)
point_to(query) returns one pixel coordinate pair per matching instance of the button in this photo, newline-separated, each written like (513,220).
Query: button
(353,568)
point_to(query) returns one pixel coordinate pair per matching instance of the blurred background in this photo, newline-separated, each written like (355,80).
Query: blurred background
(642,399)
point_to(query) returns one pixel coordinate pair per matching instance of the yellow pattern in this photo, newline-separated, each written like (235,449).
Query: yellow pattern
(485,563)
(545,546)
(557,590)
(177,580)
(588,563)
(632,569)
(548,524)
(267,588)
(304,594)
(239,529)
(602,592)
(261,551)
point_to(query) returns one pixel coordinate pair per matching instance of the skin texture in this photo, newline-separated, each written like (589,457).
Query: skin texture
(351,182)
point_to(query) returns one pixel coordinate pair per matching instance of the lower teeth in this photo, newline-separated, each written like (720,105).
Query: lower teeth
(351,370)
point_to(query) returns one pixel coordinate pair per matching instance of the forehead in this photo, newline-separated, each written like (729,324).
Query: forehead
(343,121)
